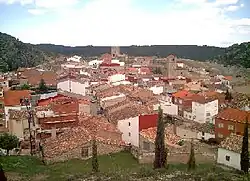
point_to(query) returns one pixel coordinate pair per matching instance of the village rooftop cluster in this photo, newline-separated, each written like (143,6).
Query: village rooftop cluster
(115,99)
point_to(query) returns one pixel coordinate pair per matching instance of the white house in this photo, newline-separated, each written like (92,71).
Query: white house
(109,101)
(13,99)
(118,62)
(116,78)
(131,120)
(157,89)
(180,64)
(73,86)
(229,151)
(167,106)
(95,63)
(204,110)
(74,59)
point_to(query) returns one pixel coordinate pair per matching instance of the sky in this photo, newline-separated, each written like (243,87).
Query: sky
(127,22)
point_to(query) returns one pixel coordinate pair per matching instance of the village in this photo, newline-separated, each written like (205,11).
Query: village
(115,98)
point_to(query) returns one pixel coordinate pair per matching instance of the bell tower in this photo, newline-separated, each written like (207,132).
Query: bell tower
(115,51)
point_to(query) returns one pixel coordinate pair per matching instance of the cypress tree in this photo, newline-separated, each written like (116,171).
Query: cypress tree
(160,150)
(228,96)
(95,165)
(2,175)
(191,161)
(244,162)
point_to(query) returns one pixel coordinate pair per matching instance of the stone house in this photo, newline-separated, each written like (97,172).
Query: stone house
(75,143)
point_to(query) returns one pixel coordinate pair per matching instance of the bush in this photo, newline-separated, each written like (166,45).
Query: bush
(145,172)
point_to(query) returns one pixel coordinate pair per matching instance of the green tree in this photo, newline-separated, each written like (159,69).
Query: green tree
(95,164)
(42,86)
(160,150)
(25,87)
(244,162)
(8,142)
(191,161)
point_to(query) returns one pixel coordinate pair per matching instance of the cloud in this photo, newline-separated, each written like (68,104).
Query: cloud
(36,11)
(234,7)
(113,22)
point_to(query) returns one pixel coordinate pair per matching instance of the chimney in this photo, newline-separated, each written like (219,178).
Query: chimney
(53,133)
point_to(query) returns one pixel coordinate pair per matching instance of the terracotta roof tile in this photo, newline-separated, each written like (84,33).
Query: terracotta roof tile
(170,138)
(129,112)
(88,128)
(235,115)
(18,114)
(12,97)
(232,143)
(182,94)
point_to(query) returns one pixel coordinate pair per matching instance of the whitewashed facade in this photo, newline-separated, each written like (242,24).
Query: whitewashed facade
(73,86)
(157,89)
(204,112)
(130,130)
(167,108)
(116,78)
(228,158)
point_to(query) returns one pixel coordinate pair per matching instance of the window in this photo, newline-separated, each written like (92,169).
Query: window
(180,101)
(129,134)
(220,135)
(228,158)
(146,145)
(208,114)
(129,124)
(203,134)
(220,125)
(230,127)
(85,152)
(1,106)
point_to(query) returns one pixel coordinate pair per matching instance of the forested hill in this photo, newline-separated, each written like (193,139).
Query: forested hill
(185,51)
(237,54)
(14,54)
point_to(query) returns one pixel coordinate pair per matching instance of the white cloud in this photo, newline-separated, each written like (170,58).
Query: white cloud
(113,22)
(226,2)
(36,11)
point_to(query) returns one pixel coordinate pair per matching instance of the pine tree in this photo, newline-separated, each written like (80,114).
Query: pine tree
(42,86)
(191,161)
(160,150)
(244,162)
(95,165)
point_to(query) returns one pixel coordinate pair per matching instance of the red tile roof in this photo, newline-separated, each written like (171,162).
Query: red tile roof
(228,78)
(170,138)
(235,115)
(45,102)
(12,97)
(88,128)
(182,94)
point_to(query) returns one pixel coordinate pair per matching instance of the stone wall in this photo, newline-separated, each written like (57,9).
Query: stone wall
(203,153)
(76,153)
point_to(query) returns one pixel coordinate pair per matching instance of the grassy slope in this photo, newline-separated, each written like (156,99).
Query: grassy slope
(120,166)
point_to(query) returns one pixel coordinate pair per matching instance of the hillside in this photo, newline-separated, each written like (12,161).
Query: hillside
(14,54)
(114,167)
(185,51)
(237,54)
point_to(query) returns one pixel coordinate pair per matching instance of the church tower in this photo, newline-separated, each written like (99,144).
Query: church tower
(115,51)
